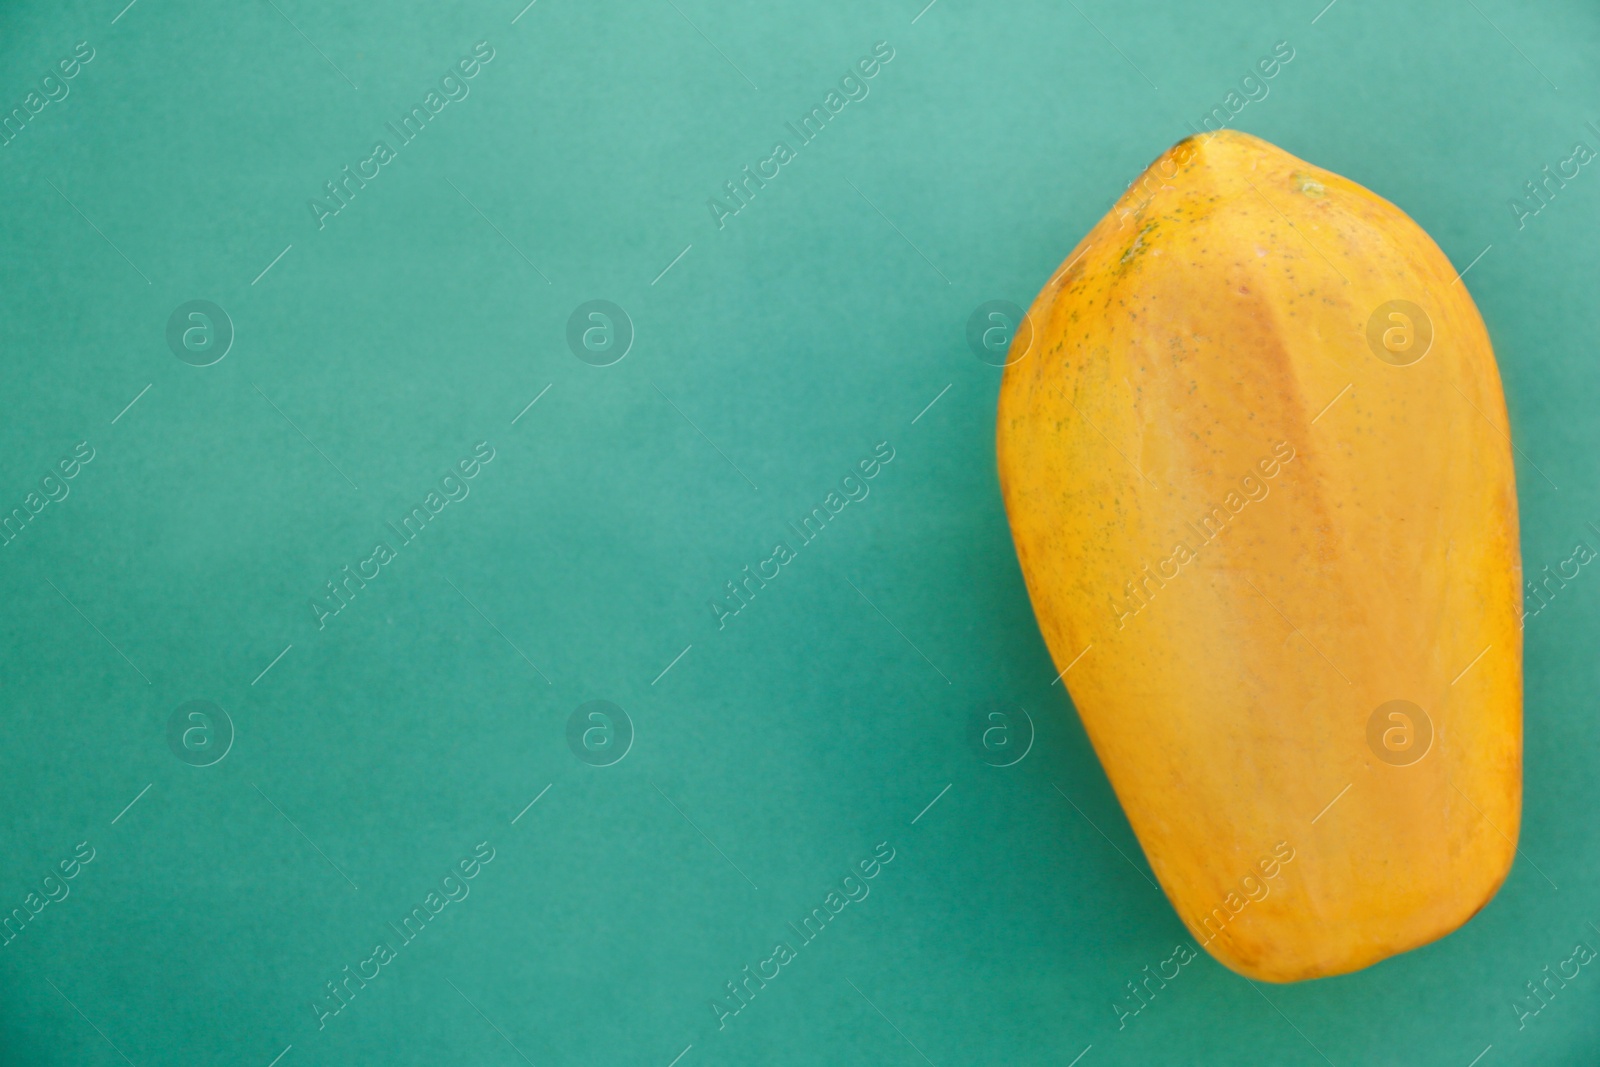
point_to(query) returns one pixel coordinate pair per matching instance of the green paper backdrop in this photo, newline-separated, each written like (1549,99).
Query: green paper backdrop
(562,489)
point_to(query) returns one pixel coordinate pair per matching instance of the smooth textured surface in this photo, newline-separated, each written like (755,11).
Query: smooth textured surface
(1196,447)
(798,337)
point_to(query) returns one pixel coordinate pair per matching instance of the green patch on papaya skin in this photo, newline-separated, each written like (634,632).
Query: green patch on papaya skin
(1137,245)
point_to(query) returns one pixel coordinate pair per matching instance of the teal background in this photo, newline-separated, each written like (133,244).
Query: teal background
(777,752)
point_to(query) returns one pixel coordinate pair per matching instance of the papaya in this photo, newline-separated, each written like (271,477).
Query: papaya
(1257,466)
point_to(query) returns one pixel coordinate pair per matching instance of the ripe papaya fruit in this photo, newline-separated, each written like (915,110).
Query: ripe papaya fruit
(1257,466)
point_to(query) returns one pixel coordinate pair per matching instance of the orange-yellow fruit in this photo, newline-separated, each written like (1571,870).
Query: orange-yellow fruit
(1257,465)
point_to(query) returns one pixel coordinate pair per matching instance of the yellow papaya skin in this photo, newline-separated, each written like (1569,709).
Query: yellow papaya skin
(1253,508)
